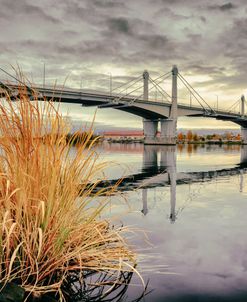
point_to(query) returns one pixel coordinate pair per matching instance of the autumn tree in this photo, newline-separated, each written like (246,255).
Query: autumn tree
(238,137)
(189,135)
(180,136)
(228,136)
(195,137)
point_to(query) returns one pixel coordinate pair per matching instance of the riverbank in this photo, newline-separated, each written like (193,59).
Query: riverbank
(198,142)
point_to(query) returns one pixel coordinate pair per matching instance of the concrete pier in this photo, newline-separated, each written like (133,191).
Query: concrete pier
(244,135)
(168,131)
(150,129)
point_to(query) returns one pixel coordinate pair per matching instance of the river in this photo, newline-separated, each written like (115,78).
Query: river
(188,205)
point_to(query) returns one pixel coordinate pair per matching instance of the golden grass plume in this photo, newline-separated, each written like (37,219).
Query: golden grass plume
(46,230)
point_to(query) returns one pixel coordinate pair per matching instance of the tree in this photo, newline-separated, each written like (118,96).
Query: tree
(189,135)
(195,137)
(180,136)
(228,136)
(238,137)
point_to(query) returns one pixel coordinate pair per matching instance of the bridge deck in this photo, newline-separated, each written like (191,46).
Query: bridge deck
(146,109)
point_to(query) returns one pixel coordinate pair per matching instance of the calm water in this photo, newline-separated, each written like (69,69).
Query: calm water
(192,203)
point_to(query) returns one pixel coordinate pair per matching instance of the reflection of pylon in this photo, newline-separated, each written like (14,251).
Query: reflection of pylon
(144,201)
(173,217)
(241,180)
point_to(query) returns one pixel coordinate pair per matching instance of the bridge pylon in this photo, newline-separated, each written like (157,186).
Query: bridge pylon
(150,127)
(244,134)
(242,105)
(244,125)
(168,126)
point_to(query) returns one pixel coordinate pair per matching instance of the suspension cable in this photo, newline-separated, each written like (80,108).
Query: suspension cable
(193,94)
(233,105)
(181,77)
(166,75)
(125,84)
(163,75)
(160,89)
(185,82)
(25,85)
(119,94)
(124,96)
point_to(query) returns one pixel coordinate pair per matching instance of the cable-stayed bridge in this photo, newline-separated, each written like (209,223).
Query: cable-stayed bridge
(153,111)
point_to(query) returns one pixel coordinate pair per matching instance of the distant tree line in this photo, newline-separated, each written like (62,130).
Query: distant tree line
(194,137)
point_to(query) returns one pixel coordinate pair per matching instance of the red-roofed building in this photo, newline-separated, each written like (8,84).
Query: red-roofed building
(123,134)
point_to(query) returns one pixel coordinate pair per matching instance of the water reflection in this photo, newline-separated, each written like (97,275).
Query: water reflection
(93,286)
(192,203)
(166,172)
(145,201)
(159,169)
(196,225)
(104,286)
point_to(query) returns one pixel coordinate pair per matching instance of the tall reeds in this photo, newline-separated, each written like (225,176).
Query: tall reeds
(46,230)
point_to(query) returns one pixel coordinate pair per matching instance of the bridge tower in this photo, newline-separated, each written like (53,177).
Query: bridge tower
(243,128)
(169,125)
(150,127)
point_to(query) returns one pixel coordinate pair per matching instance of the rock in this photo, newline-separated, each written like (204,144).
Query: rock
(11,293)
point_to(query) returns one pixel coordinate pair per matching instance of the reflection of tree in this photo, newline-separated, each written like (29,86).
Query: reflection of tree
(189,148)
(232,147)
(180,147)
(195,147)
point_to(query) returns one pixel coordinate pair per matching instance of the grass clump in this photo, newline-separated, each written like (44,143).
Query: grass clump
(46,231)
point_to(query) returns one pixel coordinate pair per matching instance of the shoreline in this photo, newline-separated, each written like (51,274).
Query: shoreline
(141,141)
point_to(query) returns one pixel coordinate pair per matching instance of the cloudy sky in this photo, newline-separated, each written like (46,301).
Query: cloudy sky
(84,41)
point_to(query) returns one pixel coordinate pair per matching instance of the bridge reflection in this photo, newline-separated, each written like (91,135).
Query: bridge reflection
(159,169)
(167,172)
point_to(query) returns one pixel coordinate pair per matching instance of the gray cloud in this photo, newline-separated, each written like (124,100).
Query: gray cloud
(23,8)
(120,25)
(224,7)
(91,37)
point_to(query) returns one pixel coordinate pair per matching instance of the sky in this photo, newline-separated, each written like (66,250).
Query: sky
(87,43)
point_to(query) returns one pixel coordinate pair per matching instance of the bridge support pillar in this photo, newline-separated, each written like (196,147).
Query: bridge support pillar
(168,132)
(150,129)
(244,135)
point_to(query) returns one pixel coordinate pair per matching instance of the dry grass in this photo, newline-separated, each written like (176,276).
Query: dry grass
(45,230)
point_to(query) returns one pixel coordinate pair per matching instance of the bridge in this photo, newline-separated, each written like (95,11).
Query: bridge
(153,112)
